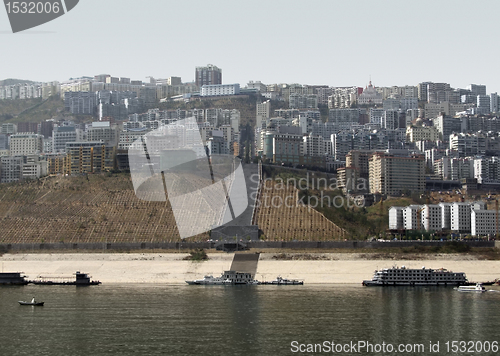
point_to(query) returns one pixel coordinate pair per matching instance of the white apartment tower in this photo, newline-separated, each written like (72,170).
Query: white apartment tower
(445,215)
(410,219)
(431,217)
(460,214)
(263,113)
(483,222)
(396,220)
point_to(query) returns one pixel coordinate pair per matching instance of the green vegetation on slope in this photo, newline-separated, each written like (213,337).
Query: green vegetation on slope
(319,190)
(31,110)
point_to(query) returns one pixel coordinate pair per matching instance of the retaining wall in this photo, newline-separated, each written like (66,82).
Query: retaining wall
(186,246)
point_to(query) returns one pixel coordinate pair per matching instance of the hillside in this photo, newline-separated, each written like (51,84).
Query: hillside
(94,208)
(281,217)
(99,208)
(12,81)
(319,190)
(246,106)
(31,110)
(37,110)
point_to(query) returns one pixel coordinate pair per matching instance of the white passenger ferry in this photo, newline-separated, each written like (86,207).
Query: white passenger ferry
(416,277)
(209,280)
(477,288)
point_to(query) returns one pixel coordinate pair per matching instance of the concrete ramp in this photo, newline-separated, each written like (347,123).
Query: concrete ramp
(245,262)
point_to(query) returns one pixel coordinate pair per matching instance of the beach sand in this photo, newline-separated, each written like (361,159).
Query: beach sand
(170,268)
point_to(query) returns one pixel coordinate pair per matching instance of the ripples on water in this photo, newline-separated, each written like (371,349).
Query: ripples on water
(223,320)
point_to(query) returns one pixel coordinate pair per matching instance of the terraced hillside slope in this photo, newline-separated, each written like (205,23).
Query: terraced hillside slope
(94,208)
(104,208)
(281,216)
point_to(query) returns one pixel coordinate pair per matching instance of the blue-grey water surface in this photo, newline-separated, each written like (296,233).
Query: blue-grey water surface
(248,320)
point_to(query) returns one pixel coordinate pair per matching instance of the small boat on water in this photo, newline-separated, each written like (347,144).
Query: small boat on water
(209,280)
(32,303)
(240,278)
(477,288)
(227,278)
(490,283)
(284,282)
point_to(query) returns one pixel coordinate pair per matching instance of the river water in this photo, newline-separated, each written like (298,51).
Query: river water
(247,320)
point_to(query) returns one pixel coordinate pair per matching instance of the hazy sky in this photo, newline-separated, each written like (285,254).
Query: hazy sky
(338,43)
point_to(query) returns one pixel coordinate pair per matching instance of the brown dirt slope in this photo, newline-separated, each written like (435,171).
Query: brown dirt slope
(292,221)
(96,208)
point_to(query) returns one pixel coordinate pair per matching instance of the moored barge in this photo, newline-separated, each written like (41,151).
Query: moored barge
(13,279)
(82,279)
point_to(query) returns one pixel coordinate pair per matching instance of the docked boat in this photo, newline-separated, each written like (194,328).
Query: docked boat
(208,280)
(226,278)
(416,277)
(13,279)
(32,303)
(284,281)
(81,279)
(477,288)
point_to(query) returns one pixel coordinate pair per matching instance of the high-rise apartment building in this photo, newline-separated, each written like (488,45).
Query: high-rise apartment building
(343,118)
(64,134)
(263,112)
(483,104)
(393,174)
(483,222)
(89,157)
(27,127)
(26,144)
(436,92)
(79,102)
(8,128)
(11,169)
(494,102)
(460,214)
(287,148)
(4,142)
(476,89)
(417,133)
(103,131)
(209,75)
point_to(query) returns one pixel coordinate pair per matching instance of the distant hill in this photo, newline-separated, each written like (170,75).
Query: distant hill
(11,81)
(246,106)
(31,110)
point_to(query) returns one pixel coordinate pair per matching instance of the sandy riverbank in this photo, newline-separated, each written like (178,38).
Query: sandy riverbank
(170,268)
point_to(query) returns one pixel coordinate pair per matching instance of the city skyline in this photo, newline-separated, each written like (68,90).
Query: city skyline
(280,42)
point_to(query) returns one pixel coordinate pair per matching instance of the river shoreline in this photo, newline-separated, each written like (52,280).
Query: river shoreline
(171,268)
